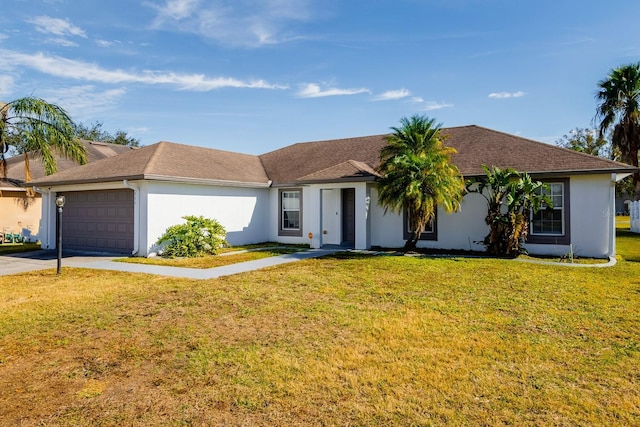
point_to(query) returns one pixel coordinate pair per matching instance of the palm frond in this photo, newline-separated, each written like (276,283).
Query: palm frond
(42,128)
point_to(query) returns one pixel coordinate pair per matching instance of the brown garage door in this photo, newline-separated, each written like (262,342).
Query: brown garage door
(98,221)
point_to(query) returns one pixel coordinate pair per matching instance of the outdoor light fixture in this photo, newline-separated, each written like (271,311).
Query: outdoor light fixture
(60,201)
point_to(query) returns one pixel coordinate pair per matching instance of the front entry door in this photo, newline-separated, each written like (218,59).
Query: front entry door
(348,216)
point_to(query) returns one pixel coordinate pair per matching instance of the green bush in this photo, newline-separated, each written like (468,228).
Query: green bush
(198,237)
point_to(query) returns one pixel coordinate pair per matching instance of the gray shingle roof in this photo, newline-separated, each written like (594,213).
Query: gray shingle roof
(287,165)
(348,171)
(95,151)
(475,145)
(167,161)
(349,159)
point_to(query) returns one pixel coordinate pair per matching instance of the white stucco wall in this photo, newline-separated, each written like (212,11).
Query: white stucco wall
(242,211)
(320,203)
(250,215)
(460,230)
(590,222)
(590,219)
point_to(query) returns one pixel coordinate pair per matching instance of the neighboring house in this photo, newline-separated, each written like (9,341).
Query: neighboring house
(321,193)
(20,213)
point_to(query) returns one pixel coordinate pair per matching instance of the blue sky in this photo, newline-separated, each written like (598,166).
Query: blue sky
(253,76)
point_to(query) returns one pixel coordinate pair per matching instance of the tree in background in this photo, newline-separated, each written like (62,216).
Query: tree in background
(590,141)
(619,111)
(417,175)
(32,125)
(587,141)
(94,132)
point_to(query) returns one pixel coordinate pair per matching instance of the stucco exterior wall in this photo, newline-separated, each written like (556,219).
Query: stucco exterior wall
(251,215)
(244,212)
(460,230)
(589,222)
(590,219)
(322,215)
(20,214)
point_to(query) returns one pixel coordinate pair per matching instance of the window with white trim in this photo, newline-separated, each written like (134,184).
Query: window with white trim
(552,225)
(290,213)
(549,220)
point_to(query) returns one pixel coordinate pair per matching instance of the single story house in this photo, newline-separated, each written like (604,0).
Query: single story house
(320,193)
(21,213)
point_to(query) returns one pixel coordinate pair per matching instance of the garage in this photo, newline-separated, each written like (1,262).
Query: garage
(98,221)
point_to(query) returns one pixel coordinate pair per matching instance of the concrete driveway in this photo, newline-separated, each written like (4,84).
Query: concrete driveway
(43,259)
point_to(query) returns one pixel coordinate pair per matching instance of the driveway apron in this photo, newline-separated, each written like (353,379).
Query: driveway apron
(41,260)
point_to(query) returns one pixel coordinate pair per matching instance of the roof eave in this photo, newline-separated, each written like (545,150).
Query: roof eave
(151,177)
(82,181)
(629,171)
(203,181)
(370,178)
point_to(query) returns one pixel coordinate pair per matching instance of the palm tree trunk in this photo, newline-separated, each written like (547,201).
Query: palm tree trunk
(412,242)
(27,175)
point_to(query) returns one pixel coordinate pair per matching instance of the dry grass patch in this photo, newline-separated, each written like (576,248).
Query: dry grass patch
(343,340)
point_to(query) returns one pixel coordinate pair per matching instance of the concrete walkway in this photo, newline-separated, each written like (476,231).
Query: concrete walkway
(41,260)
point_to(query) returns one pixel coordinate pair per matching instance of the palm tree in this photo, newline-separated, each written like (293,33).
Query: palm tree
(619,108)
(520,195)
(32,125)
(417,175)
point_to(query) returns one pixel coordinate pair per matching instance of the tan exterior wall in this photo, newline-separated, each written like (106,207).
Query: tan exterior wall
(19,214)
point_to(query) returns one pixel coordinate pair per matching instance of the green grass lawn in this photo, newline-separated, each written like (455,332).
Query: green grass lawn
(14,248)
(627,243)
(343,340)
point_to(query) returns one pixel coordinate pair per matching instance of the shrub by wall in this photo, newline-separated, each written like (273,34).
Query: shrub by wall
(199,236)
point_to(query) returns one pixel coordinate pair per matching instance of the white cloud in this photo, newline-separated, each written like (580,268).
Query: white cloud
(392,95)
(62,42)
(73,69)
(233,22)
(416,100)
(506,95)
(7,85)
(138,130)
(83,102)
(313,90)
(56,26)
(104,43)
(432,105)
(176,9)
